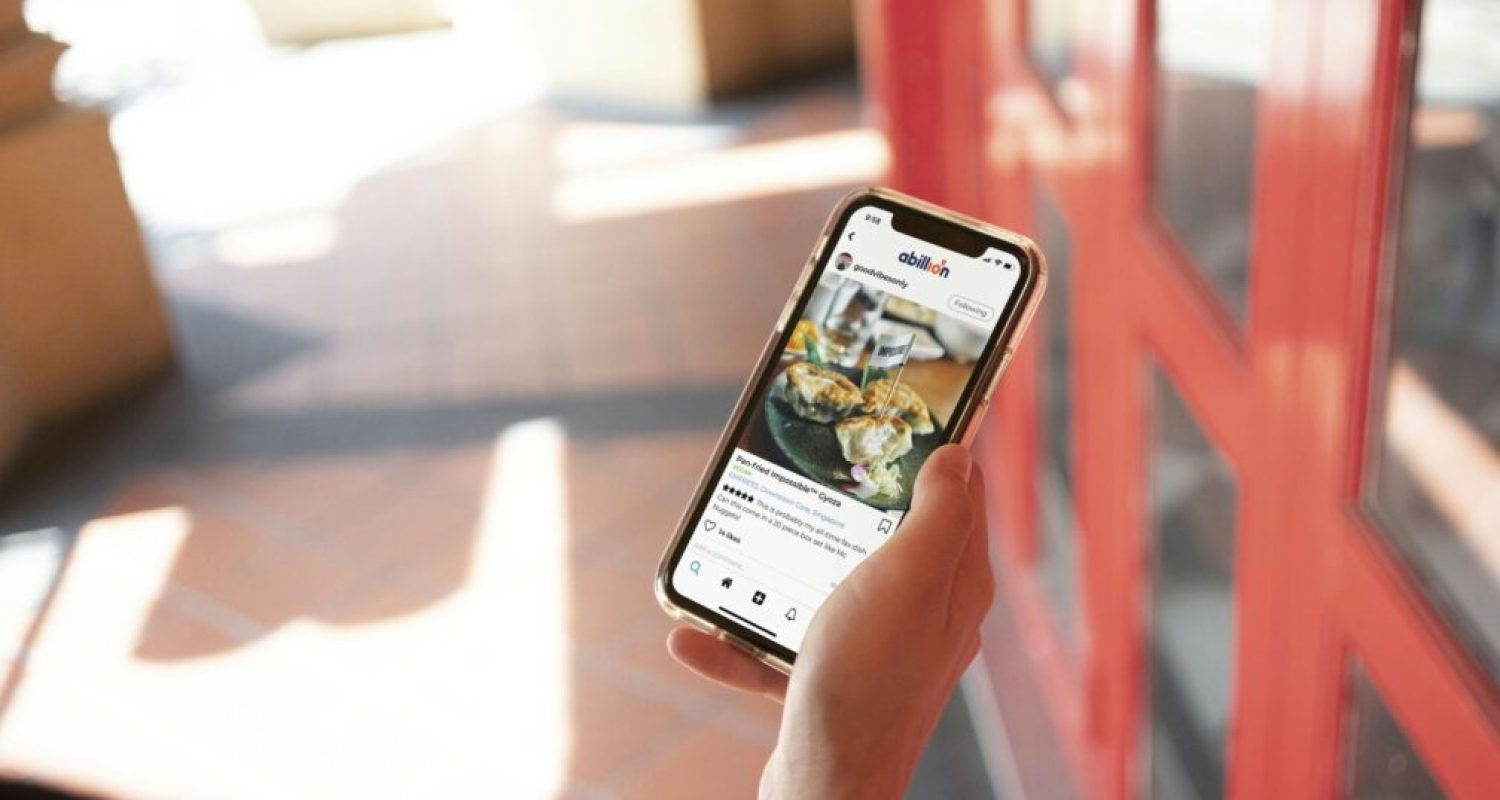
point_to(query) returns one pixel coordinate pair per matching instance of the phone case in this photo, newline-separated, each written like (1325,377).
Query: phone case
(970,414)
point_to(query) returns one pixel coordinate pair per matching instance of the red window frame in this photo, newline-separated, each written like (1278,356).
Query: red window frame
(1288,398)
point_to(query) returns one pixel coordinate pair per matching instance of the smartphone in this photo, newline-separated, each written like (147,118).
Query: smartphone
(891,344)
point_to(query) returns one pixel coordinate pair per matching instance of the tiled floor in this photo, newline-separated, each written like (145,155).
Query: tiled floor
(391,530)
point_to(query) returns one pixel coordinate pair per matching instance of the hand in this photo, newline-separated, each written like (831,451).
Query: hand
(883,654)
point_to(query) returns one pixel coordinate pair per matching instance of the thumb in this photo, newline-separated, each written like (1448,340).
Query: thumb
(942,510)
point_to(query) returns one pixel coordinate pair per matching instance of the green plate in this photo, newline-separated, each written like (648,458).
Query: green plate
(812,449)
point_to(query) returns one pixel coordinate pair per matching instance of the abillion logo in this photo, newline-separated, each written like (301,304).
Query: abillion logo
(924,263)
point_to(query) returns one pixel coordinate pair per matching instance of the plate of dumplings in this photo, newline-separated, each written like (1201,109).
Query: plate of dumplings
(868,442)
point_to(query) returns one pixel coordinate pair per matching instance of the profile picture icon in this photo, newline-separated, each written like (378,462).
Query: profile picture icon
(843,261)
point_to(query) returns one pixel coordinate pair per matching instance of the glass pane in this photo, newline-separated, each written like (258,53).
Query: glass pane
(1055,485)
(1052,34)
(1382,763)
(1211,60)
(1438,484)
(1192,612)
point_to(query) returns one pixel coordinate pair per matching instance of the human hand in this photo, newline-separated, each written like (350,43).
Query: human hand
(881,657)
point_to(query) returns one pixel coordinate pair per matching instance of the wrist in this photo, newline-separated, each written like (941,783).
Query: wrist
(829,769)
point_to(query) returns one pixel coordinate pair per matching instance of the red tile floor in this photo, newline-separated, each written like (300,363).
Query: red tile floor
(391,530)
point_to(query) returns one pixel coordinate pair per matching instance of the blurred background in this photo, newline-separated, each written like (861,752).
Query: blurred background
(357,357)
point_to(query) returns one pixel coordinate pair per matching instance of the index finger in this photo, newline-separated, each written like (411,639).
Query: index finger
(721,663)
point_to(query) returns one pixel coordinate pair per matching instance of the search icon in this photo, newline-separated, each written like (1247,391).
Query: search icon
(694,567)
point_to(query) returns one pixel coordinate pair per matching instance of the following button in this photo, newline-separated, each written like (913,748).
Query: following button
(971,308)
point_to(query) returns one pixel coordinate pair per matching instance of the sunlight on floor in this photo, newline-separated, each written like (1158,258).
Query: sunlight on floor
(29,564)
(271,242)
(228,148)
(83,699)
(469,695)
(347,564)
(519,587)
(583,146)
(789,165)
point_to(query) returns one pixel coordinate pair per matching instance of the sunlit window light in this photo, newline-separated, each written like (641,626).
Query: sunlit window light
(1452,462)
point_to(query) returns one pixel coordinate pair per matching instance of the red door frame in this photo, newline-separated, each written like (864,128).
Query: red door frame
(1287,399)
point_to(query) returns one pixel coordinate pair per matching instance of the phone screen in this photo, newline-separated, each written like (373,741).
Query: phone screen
(881,355)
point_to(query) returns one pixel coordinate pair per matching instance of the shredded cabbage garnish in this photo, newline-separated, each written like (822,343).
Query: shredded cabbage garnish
(880,479)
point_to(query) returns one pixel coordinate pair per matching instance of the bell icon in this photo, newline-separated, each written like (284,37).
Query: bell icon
(791,614)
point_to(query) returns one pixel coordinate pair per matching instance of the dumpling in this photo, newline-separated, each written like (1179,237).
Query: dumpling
(873,440)
(818,394)
(904,402)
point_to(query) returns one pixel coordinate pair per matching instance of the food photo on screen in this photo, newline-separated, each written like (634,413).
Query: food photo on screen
(863,391)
